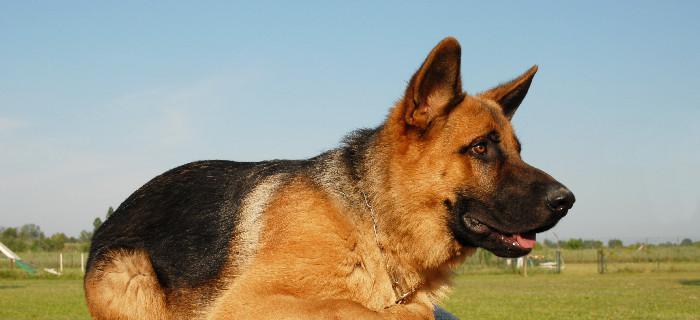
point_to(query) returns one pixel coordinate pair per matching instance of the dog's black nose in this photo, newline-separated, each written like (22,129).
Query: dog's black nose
(560,200)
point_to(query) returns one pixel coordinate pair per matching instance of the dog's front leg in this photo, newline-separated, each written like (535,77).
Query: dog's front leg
(288,307)
(409,311)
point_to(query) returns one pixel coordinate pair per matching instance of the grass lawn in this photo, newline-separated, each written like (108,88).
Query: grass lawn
(42,299)
(578,293)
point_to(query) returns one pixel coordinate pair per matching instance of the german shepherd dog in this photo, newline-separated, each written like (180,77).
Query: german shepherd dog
(370,230)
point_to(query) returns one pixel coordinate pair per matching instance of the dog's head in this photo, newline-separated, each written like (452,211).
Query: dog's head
(462,150)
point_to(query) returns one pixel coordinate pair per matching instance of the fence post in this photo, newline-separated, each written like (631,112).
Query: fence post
(60,261)
(601,261)
(658,262)
(605,263)
(524,266)
(82,262)
(557,255)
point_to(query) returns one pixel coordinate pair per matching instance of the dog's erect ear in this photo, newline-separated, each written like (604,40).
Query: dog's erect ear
(435,86)
(509,95)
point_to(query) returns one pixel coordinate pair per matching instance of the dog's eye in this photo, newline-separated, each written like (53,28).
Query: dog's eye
(479,148)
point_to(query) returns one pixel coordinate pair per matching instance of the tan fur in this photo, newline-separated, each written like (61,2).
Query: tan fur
(311,257)
(248,231)
(422,249)
(123,286)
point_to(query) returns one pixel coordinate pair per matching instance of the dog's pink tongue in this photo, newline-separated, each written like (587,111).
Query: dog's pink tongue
(527,242)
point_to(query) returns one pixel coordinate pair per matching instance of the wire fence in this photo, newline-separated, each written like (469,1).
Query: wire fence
(48,260)
(604,260)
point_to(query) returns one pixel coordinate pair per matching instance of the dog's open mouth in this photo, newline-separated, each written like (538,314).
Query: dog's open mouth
(508,245)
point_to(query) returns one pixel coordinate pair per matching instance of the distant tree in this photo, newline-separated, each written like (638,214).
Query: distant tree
(15,244)
(96,224)
(30,232)
(57,241)
(615,243)
(9,233)
(573,244)
(592,244)
(10,239)
(687,242)
(110,211)
(85,236)
(549,243)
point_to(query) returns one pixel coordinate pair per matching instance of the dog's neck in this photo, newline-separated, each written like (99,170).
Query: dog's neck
(418,255)
(401,295)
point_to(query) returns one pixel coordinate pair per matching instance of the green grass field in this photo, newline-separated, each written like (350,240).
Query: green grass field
(42,299)
(636,291)
(580,293)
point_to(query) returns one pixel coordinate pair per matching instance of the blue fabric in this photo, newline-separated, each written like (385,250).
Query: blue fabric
(442,314)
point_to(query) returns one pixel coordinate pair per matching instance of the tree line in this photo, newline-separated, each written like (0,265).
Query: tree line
(579,243)
(30,237)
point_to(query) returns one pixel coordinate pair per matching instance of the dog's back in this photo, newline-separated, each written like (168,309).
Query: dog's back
(176,235)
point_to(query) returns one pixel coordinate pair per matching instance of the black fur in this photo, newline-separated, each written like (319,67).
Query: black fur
(355,146)
(519,207)
(185,218)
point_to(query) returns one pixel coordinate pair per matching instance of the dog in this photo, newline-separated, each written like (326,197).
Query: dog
(369,230)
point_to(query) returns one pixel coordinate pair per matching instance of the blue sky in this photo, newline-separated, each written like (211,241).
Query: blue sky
(96,98)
